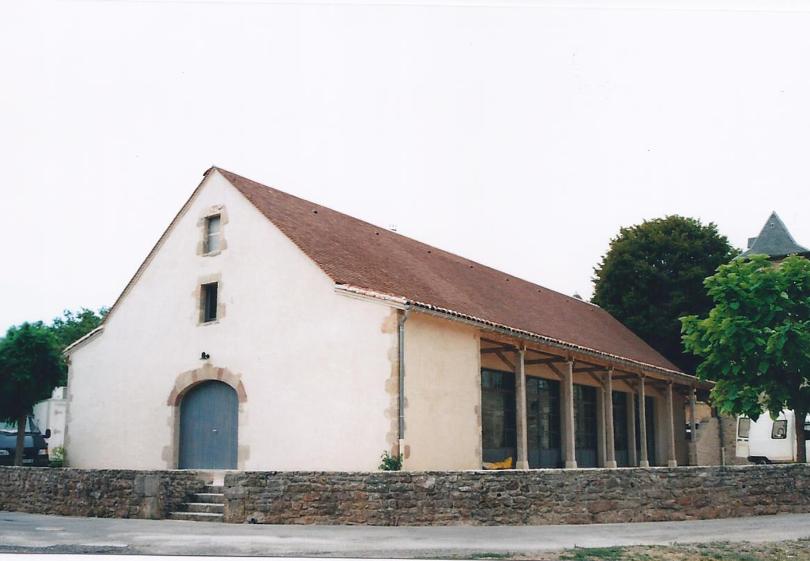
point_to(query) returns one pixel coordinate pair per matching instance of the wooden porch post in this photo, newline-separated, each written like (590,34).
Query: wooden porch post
(522,461)
(642,425)
(610,444)
(601,426)
(692,405)
(693,460)
(632,457)
(671,461)
(569,434)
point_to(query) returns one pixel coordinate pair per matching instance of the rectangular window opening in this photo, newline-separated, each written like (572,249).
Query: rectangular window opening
(543,423)
(213,234)
(743,428)
(779,430)
(209,302)
(498,428)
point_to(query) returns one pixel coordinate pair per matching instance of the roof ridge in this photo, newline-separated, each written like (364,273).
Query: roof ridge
(356,253)
(394,233)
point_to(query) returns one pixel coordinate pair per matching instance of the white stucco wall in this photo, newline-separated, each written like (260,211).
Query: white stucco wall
(50,414)
(442,395)
(315,365)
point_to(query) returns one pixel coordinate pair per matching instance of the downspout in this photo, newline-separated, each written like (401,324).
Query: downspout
(401,363)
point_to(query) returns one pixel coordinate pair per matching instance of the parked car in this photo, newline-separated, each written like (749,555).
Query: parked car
(769,441)
(35,451)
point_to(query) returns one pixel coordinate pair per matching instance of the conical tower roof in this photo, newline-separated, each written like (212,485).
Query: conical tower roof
(774,240)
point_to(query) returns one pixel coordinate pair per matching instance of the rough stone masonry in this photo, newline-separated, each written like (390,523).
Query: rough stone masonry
(103,493)
(422,498)
(516,497)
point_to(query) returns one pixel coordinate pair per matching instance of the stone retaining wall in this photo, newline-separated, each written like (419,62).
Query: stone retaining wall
(100,493)
(422,498)
(511,497)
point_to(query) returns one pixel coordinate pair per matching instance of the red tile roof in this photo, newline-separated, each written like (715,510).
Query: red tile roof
(360,254)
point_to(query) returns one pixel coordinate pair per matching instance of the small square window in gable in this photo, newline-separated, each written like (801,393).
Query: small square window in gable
(213,233)
(212,236)
(208,302)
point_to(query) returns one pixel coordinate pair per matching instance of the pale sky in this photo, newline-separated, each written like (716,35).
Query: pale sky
(522,135)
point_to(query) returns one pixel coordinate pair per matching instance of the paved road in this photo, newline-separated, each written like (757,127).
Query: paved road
(58,534)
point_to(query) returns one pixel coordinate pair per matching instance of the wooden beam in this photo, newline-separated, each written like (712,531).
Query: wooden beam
(660,386)
(556,371)
(583,358)
(568,423)
(496,349)
(643,461)
(545,360)
(610,442)
(590,369)
(494,342)
(522,461)
(597,378)
(544,353)
(505,360)
(671,459)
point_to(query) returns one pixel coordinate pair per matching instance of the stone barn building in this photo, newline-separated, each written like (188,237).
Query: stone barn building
(265,332)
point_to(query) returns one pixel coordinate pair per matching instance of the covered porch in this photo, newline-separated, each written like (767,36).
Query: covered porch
(544,406)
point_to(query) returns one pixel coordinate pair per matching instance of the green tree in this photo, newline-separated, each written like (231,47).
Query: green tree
(653,274)
(72,326)
(755,341)
(31,366)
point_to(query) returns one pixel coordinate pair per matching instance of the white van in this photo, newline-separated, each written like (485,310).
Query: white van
(768,441)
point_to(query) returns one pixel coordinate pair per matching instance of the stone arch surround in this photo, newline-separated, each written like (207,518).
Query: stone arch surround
(191,378)
(182,384)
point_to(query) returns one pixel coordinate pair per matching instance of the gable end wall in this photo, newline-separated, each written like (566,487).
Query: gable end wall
(315,366)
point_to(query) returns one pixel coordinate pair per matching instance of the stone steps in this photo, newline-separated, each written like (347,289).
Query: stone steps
(209,498)
(207,506)
(197,516)
(211,508)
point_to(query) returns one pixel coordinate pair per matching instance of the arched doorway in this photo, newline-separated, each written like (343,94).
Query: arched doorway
(208,427)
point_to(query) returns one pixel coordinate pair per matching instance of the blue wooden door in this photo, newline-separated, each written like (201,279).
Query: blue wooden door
(208,427)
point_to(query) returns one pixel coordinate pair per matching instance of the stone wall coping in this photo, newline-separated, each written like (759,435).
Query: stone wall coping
(678,469)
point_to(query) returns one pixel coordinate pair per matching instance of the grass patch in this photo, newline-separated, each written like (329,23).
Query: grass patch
(793,550)
(716,551)
(594,554)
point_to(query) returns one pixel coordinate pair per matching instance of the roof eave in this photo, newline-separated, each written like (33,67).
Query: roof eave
(82,340)
(632,364)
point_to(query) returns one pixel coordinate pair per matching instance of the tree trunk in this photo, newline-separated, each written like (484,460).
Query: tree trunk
(801,453)
(18,454)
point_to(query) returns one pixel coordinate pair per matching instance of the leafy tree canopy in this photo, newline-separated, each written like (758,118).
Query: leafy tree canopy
(71,326)
(31,363)
(755,340)
(30,367)
(653,274)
